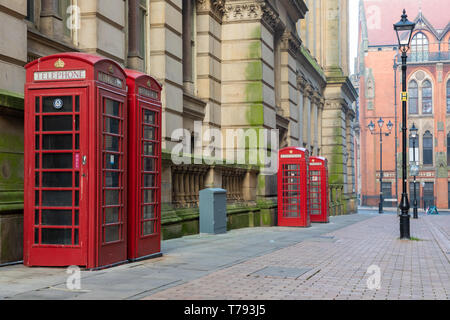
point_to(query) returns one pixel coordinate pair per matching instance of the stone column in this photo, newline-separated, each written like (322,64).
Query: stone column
(191,184)
(350,150)
(333,139)
(166,64)
(315,122)
(188,80)
(208,62)
(320,119)
(301,85)
(290,47)
(135,61)
(196,184)
(307,116)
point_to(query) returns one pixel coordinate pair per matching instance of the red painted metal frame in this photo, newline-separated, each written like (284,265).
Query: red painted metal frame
(142,245)
(319,165)
(91,251)
(293,187)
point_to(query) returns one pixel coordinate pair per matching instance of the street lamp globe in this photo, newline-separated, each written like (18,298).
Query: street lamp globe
(380,123)
(390,125)
(413,131)
(371,126)
(404,29)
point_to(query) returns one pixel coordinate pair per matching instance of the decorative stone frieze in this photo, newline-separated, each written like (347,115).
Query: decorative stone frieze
(334,105)
(241,10)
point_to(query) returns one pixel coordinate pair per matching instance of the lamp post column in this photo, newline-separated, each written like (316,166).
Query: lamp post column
(380,206)
(415,215)
(404,203)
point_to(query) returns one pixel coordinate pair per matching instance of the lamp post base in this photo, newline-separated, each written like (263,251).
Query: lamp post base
(404,217)
(404,226)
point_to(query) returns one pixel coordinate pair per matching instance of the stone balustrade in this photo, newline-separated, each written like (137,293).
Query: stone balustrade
(232,181)
(187,181)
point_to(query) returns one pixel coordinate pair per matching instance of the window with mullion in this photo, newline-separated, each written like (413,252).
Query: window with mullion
(387,190)
(427,148)
(427,98)
(142,31)
(419,47)
(413,97)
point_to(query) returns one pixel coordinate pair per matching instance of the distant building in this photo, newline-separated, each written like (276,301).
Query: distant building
(428,83)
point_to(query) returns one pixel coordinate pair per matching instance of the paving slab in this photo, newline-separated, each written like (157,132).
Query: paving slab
(339,264)
(184,260)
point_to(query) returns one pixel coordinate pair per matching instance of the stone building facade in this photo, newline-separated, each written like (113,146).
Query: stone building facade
(325,33)
(428,83)
(224,65)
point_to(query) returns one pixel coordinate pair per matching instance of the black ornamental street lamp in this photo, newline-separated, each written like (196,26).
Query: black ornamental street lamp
(404,29)
(413,132)
(372,128)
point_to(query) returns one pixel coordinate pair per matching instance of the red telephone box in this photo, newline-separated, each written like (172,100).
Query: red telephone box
(293,187)
(318,189)
(75,162)
(144,166)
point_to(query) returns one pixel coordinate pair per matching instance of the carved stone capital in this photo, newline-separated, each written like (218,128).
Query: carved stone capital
(316,97)
(301,83)
(308,90)
(216,7)
(290,43)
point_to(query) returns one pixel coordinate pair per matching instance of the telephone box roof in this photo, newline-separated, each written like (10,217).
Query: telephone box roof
(81,56)
(134,74)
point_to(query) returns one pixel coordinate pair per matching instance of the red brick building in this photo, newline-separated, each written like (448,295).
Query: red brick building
(428,82)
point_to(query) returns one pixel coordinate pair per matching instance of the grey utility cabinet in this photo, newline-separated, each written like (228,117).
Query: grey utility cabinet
(213,211)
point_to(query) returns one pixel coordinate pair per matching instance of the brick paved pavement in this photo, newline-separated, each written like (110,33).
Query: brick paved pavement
(336,266)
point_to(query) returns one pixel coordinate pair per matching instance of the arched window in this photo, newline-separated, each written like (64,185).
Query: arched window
(448,96)
(419,47)
(427,148)
(427,98)
(413,97)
